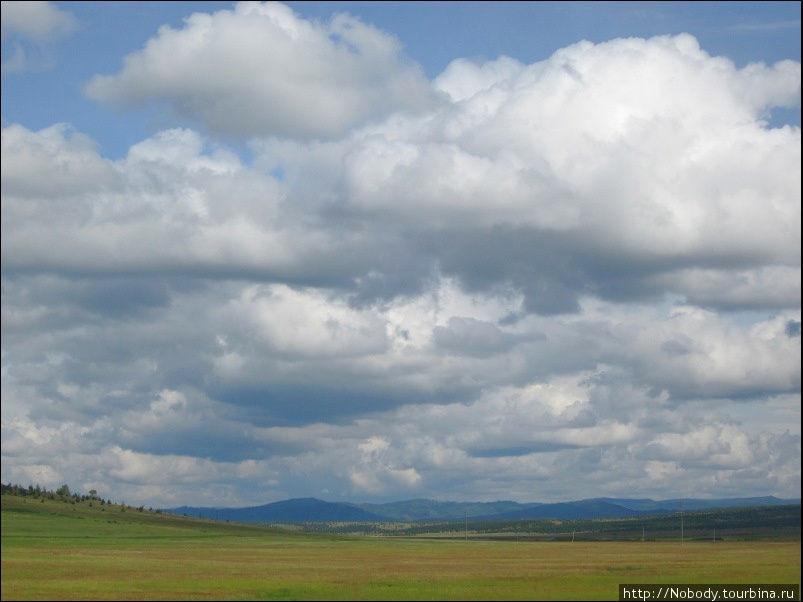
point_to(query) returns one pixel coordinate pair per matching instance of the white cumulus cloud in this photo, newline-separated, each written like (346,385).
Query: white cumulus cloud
(261,70)
(37,20)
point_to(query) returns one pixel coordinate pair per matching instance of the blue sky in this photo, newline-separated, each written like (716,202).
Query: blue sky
(433,33)
(374,251)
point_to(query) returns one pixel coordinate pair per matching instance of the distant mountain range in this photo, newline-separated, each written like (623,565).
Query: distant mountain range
(314,510)
(298,510)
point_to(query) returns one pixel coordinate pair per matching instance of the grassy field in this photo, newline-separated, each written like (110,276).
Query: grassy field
(58,550)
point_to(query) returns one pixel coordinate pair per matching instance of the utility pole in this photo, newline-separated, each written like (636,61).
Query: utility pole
(466,525)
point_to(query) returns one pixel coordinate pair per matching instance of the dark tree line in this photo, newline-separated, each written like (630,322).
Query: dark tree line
(63,493)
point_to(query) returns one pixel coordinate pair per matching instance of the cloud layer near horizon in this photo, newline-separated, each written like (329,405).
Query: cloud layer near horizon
(570,278)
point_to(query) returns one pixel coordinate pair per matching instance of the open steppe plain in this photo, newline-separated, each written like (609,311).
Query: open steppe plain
(55,550)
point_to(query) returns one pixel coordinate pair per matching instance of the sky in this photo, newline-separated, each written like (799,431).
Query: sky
(384,250)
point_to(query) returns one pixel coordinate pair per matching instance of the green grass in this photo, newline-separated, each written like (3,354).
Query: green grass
(56,550)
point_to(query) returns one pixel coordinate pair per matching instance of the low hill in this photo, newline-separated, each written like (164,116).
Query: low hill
(570,510)
(678,504)
(424,509)
(311,509)
(287,511)
(30,516)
